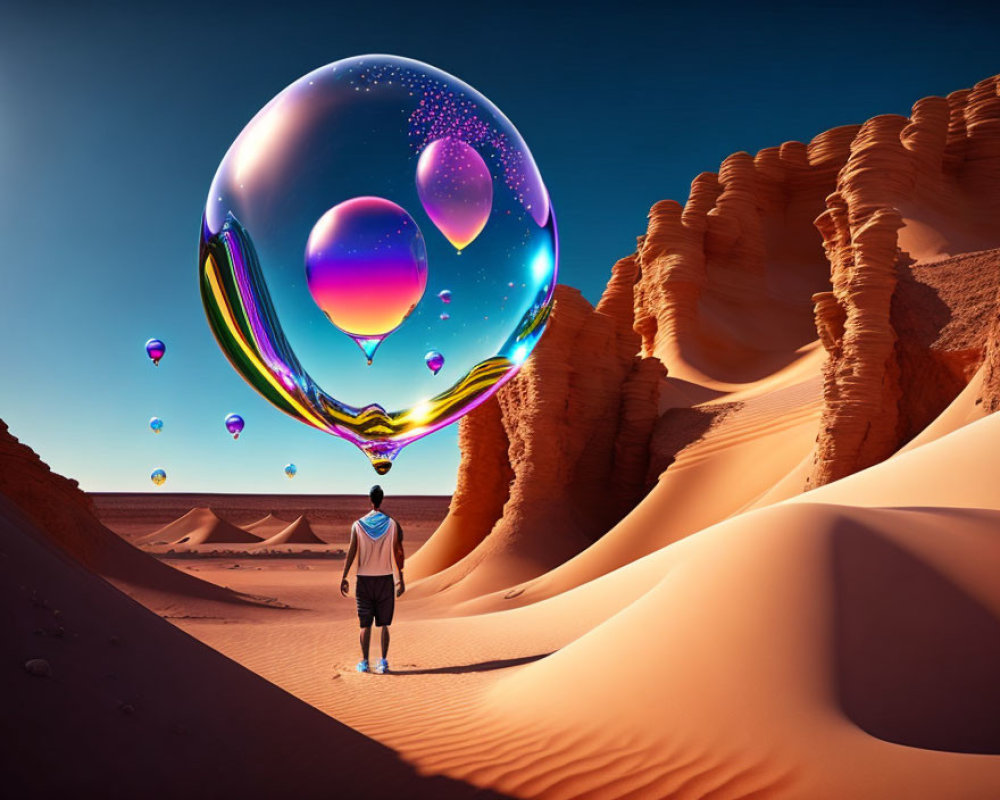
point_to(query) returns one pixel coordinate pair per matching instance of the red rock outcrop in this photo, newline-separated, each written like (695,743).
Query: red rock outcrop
(913,191)
(54,503)
(990,397)
(559,454)
(718,272)
(876,238)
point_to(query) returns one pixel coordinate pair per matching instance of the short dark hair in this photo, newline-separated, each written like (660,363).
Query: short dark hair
(375,494)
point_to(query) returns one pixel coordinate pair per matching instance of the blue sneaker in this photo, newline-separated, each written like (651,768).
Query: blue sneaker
(363,665)
(382,667)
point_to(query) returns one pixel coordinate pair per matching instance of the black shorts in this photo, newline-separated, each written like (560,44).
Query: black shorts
(376,595)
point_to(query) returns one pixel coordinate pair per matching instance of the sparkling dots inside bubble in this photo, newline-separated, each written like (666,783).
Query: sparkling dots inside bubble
(344,198)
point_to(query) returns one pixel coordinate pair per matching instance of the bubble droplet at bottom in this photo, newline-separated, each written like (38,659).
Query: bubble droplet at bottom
(368,345)
(381,454)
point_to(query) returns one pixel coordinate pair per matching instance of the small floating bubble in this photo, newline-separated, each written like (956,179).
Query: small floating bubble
(234,424)
(434,361)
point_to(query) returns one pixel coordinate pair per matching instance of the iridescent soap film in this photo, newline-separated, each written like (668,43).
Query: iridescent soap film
(354,208)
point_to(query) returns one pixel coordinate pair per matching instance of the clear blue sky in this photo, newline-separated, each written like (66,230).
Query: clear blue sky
(114,116)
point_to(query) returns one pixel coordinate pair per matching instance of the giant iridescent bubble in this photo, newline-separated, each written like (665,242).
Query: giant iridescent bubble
(353,201)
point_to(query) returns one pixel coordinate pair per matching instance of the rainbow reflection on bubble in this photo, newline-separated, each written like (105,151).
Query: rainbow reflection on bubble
(330,213)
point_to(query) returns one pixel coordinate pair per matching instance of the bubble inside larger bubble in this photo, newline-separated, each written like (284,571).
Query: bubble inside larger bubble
(358,129)
(366,268)
(455,189)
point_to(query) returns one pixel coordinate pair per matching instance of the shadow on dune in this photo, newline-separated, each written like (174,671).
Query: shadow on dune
(483,666)
(917,657)
(102,698)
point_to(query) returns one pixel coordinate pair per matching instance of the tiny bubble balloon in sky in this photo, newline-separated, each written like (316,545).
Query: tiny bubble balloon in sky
(234,424)
(155,350)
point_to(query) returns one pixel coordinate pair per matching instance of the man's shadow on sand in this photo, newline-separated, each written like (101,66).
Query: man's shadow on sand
(483,666)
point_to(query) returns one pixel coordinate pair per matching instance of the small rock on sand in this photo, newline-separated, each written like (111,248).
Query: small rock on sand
(38,667)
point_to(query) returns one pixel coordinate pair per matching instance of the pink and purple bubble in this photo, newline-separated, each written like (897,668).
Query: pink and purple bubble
(456,189)
(155,350)
(434,361)
(366,268)
(234,424)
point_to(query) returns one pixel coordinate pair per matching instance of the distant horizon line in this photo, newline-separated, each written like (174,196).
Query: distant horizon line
(249,494)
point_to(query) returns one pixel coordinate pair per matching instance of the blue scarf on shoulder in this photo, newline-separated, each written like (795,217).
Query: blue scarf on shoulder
(375,524)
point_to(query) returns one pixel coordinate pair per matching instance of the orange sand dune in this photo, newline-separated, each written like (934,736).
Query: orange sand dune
(198,526)
(66,516)
(298,532)
(133,707)
(266,527)
(757,656)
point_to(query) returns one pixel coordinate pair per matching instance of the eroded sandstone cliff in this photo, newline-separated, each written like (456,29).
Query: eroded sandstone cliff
(560,453)
(879,240)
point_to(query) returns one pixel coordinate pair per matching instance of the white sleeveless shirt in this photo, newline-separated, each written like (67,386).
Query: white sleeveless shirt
(375,556)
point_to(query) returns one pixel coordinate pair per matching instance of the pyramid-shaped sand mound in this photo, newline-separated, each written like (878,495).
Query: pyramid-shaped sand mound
(199,526)
(299,532)
(267,527)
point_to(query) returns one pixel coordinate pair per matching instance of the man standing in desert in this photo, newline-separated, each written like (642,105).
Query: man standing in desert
(376,541)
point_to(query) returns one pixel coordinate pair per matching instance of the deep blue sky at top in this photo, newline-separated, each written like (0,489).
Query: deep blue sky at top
(114,116)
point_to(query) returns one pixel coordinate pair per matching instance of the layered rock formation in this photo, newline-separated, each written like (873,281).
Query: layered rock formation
(913,190)
(54,503)
(560,453)
(876,239)
(742,255)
